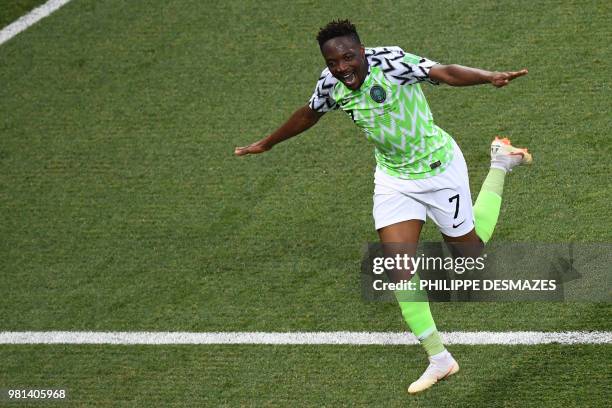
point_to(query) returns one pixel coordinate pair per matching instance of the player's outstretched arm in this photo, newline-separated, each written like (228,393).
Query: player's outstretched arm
(301,120)
(458,75)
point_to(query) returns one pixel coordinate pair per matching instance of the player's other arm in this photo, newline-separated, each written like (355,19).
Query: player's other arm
(458,75)
(302,119)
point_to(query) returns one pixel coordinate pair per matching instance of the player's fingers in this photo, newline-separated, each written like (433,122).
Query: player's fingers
(517,74)
(241,151)
(501,83)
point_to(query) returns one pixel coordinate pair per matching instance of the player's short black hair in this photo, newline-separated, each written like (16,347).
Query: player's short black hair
(337,28)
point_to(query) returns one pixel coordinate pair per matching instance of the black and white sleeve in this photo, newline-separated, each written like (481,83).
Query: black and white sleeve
(321,100)
(402,67)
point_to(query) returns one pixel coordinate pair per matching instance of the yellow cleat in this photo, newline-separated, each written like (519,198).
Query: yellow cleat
(505,156)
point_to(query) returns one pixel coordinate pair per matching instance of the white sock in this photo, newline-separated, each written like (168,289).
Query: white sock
(443,358)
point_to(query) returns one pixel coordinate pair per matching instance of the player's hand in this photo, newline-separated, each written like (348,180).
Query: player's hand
(253,148)
(500,79)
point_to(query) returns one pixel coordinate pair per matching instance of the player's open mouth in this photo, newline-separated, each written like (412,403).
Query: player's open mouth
(349,79)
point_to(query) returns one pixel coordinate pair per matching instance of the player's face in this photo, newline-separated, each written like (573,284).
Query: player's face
(346,60)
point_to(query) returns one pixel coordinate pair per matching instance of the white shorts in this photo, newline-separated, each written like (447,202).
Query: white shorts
(445,198)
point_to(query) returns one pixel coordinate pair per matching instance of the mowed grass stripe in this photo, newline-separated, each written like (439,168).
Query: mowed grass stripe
(30,19)
(302,338)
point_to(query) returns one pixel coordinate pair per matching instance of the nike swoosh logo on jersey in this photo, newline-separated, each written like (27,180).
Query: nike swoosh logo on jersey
(455,226)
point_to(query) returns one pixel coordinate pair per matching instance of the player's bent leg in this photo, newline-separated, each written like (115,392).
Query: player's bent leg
(504,157)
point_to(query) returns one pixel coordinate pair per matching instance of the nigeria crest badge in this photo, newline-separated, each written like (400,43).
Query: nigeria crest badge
(378,94)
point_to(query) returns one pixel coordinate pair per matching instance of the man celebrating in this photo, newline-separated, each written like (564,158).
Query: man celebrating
(420,170)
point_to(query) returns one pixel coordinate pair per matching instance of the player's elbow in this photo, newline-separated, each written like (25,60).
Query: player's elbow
(309,116)
(447,74)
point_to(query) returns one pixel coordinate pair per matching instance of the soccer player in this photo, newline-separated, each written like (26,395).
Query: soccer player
(420,169)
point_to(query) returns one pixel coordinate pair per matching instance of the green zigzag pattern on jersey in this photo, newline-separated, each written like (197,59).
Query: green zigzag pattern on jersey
(398,134)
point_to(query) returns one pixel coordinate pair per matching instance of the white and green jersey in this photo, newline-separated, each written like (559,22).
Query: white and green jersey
(392,111)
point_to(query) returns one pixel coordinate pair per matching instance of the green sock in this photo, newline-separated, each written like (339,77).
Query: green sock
(418,317)
(488,204)
(433,344)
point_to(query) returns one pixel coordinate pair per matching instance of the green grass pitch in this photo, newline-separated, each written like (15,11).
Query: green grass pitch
(123,208)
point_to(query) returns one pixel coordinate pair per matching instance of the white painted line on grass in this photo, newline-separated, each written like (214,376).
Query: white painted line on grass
(340,337)
(30,19)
